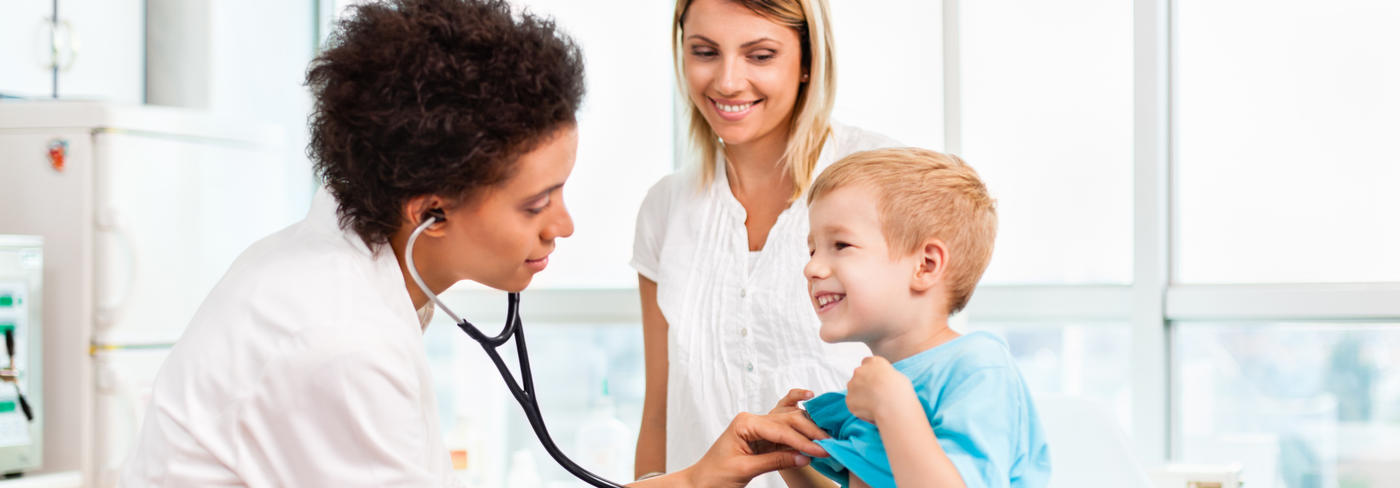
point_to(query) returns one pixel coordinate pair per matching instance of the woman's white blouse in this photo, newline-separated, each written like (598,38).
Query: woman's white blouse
(742,331)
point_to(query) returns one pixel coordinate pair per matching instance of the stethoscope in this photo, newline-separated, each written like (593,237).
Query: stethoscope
(525,396)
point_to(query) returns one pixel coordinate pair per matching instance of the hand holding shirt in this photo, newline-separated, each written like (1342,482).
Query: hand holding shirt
(977,404)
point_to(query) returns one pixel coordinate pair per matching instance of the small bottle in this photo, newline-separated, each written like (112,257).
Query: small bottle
(459,447)
(523,471)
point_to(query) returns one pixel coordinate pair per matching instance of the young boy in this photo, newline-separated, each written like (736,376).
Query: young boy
(899,238)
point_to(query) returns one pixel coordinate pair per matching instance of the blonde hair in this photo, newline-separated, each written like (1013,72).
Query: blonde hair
(811,119)
(924,195)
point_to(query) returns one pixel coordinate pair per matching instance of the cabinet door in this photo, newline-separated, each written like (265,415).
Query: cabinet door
(172,214)
(25,66)
(105,58)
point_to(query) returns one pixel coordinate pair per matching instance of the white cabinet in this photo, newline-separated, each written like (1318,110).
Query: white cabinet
(94,50)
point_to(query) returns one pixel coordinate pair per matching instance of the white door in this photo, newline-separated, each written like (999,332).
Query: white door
(172,213)
(25,68)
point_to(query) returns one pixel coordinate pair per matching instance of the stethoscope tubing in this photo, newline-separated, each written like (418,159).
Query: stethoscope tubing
(524,392)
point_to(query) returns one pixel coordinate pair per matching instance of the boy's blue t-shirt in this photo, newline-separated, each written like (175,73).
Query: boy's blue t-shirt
(978,405)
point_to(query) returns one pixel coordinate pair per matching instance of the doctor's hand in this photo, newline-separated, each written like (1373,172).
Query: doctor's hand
(757,444)
(877,387)
(787,406)
(789,402)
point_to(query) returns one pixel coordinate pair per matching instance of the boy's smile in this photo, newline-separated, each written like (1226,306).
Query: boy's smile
(827,300)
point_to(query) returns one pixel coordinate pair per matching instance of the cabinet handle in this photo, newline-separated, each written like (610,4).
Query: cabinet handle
(65,44)
(107,313)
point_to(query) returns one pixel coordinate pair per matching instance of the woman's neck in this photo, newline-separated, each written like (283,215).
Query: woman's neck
(757,164)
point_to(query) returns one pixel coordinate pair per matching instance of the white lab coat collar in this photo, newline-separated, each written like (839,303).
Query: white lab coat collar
(324,216)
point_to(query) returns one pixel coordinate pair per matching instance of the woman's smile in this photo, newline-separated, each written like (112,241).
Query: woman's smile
(733,110)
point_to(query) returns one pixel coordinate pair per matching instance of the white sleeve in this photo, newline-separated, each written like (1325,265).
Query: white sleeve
(864,140)
(651,229)
(349,419)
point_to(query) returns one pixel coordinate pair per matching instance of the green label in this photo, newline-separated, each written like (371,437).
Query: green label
(7,301)
(7,407)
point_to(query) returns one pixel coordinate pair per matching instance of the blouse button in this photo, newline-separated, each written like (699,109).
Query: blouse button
(744,332)
(750,367)
(743,292)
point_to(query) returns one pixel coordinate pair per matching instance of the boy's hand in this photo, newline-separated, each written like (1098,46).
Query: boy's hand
(876,387)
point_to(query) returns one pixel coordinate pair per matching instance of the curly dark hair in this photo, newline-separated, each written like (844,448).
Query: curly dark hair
(433,97)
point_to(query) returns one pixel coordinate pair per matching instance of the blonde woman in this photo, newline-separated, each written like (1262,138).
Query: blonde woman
(720,245)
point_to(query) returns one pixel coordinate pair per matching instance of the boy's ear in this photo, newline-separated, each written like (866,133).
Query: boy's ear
(930,266)
(417,209)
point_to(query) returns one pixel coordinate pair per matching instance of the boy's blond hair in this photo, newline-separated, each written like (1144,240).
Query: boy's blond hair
(923,195)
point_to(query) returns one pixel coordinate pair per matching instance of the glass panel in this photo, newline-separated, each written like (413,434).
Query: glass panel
(1090,361)
(1300,405)
(890,68)
(1287,124)
(1047,120)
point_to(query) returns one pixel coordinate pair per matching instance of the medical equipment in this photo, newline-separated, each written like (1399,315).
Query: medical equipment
(524,392)
(21,324)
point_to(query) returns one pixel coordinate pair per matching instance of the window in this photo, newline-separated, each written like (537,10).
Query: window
(1284,289)
(1172,202)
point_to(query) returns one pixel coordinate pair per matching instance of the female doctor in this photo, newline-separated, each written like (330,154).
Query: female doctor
(305,365)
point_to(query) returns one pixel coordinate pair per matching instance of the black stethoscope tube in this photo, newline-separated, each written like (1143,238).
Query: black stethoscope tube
(524,394)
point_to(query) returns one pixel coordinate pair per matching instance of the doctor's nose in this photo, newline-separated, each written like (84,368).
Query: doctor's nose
(562,226)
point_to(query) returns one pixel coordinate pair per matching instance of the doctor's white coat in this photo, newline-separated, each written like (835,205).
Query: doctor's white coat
(304,367)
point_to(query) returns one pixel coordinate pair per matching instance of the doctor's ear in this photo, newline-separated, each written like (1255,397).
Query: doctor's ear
(419,209)
(930,266)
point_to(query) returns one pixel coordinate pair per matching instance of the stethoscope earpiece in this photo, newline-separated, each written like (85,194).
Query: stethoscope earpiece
(435,215)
